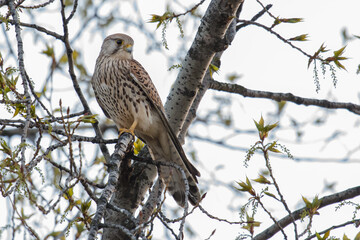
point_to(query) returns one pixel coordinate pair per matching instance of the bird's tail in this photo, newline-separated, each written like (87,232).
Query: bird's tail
(173,177)
(176,186)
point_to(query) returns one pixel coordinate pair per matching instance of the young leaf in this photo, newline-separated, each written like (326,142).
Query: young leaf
(262,179)
(212,69)
(339,52)
(270,195)
(307,202)
(261,122)
(357,237)
(302,37)
(291,20)
(138,145)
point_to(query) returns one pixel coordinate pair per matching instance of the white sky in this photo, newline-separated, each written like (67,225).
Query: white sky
(266,63)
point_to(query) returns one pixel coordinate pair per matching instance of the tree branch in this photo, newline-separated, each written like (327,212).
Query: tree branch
(355,221)
(77,89)
(24,81)
(121,148)
(209,39)
(229,36)
(246,22)
(238,89)
(38,28)
(325,201)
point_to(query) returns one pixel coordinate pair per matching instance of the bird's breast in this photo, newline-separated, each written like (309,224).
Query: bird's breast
(121,97)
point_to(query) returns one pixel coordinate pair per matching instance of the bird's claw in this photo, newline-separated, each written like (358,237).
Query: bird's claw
(124,130)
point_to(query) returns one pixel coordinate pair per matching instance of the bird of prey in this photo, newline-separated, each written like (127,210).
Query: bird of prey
(127,95)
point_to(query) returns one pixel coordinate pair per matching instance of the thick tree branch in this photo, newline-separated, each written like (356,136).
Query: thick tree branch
(238,89)
(209,39)
(135,181)
(121,148)
(325,201)
(230,35)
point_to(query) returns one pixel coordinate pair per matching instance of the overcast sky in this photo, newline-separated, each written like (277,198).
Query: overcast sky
(265,63)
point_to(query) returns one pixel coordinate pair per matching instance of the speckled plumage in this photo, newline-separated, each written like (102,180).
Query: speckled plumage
(126,94)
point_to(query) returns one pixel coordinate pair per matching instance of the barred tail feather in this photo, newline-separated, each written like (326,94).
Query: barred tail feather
(173,177)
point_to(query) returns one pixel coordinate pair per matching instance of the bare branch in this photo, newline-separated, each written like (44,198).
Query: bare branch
(72,12)
(274,33)
(256,17)
(118,226)
(188,11)
(282,199)
(37,27)
(24,80)
(238,89)
(77,89)
(37,6)
(149,206)
(355,221)
(325,201)
(219,219)
(121,149)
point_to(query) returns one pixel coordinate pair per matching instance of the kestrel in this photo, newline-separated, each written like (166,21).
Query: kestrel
(127,95)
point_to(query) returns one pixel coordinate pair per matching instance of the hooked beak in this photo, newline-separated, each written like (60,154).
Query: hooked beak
(128,48)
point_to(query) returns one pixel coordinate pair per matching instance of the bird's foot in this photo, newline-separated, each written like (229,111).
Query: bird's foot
(124,130)
(130,130)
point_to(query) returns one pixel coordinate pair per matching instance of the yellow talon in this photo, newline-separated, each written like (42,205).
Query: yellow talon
(130,130)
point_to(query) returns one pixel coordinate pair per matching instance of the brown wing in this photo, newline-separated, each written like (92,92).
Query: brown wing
(140,76)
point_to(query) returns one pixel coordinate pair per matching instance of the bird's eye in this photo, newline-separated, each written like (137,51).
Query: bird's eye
(119,41)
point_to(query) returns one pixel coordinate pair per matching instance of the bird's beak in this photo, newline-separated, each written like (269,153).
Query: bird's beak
(128,48)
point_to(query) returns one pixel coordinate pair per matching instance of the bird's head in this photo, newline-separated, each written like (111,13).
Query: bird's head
(118,45)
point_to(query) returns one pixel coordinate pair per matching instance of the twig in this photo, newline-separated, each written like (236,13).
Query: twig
(37,27)
(20,124)
(276,34)
(190,10)
(272,218)
(118,226)
(22,219)
(72,12)
(256,17)
(282,199)
(183,175)
(169,228)
(266,9)
(219,219)
(334,227)
(38,6)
